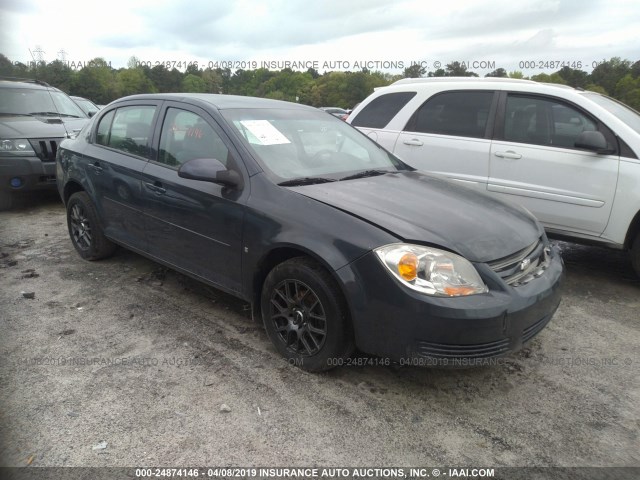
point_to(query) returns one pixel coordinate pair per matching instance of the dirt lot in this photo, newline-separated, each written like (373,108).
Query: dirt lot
(124,352)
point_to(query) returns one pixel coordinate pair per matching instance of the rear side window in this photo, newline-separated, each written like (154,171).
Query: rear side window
(128,130)
(104,127)
(463,114)
(379,112)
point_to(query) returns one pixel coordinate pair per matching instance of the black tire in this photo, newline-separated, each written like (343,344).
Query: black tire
(635,254)
(85,229)
(306,316)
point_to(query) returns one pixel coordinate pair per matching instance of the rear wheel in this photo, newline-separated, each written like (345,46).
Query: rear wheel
(635,254)
(306,316)
(85,230)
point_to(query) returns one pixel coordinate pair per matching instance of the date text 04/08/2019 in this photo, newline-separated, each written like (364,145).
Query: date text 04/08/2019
(314,472)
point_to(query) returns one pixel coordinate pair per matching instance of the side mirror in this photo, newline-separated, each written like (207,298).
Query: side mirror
(209,170)
(593,141)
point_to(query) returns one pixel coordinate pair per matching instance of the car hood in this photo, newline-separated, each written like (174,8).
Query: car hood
(420,208)
(40,126)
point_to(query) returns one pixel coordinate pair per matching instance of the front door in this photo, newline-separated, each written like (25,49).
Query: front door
(534,162)
(194,225)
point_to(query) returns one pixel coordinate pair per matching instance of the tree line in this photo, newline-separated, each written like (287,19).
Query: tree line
(98,81)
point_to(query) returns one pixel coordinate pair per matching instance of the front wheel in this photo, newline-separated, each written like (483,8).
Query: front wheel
(85,230)
(306,316)
(635,254)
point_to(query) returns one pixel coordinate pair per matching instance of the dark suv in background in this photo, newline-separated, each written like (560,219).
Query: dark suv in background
(34,118)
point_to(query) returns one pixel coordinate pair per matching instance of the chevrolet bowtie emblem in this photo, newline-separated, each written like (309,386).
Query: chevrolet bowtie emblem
(525,264)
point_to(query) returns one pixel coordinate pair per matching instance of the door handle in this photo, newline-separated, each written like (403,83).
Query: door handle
(95,167)
(156,187)
(508,154)
(414,142)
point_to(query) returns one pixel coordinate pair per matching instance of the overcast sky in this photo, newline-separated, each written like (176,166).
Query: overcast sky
(484,34)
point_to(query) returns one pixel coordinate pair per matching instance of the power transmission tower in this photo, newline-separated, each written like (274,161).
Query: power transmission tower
(62,54)
(39,54)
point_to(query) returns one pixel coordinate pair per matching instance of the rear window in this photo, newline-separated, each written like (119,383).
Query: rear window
(379,112)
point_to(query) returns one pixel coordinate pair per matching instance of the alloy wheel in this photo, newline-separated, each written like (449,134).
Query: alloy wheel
(298,317)
(80,227)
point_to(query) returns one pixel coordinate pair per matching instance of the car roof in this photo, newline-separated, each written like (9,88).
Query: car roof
(433,84)
(220,101)
(8,82)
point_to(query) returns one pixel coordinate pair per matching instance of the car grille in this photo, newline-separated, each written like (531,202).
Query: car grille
(479,350)
(45,148)
(523,266)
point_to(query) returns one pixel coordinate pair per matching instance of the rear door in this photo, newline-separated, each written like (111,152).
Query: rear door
(193,225)
(534,162)
(449,134)
(115,157)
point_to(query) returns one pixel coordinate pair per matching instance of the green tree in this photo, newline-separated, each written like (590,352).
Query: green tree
(546,78)
(628,91)
(58,74)
(457,69)
(212,80)
(96,81)
(131,81)
(165,80)
(6,67)
(573,77)
(133,62)
(609,73)
(499,72)
(414,71)
(194,84)
(516,74)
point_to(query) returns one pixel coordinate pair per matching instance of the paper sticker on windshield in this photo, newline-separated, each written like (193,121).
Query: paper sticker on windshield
(266,133)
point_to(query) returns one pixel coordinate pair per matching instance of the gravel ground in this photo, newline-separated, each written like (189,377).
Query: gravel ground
(124,363)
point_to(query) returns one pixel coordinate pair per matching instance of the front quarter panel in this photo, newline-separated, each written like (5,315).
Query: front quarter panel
(278,218)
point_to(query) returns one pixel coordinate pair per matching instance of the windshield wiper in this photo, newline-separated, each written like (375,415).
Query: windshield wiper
(11,114)
(294,182)
(366,173)
(55,114)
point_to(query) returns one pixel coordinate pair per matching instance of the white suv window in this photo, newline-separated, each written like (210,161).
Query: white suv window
(379,112)
(463,114)
(544,122)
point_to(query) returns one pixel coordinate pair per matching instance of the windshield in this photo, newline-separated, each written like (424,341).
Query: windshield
(28,101)
(619,109)
(87,106)
(309,145)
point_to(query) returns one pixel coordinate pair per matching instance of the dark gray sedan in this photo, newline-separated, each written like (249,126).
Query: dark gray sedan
(336,243)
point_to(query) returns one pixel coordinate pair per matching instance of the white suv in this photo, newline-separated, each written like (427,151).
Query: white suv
(567,155)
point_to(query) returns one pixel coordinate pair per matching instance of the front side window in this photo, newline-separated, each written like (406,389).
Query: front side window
(185,136)
(463,114)
(542,121)
(128,129)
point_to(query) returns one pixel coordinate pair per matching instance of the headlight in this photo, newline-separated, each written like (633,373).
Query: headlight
(17,146)
(431,271)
